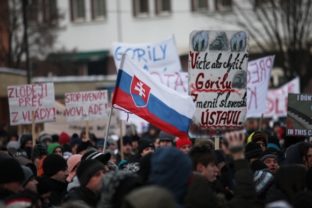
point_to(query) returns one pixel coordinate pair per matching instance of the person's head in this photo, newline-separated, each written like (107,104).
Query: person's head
(126,145)
(135,139)
(270,160)
(145,147)
(259,137)
(204,162)
(55,167)
(165,139)
(184,144)
(26,141)
(29,182)
(307,154)
(90,175)
(252,151)
(72,164)
(55,148)
(11,176)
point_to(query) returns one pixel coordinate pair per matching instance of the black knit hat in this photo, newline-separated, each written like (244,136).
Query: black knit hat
(52,164)
(252,150)
(87,169)
(11,171)
(95,155)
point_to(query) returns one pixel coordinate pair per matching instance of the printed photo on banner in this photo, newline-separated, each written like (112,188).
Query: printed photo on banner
(276,103)
(299,115)
(31,103)
(86,106)
(258,78)
(218,77)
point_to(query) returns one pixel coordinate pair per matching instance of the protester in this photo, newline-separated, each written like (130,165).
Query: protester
(165,139)
(184,144)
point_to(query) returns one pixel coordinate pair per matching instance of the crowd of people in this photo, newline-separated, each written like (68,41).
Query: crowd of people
(262,168)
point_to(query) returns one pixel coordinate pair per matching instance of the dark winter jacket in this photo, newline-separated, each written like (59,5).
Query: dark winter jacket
(84,194)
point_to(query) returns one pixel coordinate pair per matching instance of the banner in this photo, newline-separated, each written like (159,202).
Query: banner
(153,57)
(299,115)
(258,77)
(218,71)
(276,103)
(86,106)
(33,102)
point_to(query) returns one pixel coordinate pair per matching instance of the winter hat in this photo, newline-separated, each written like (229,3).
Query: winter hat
(267,154)
(263,180)
(95,155)
(28,174)
(258,136)
(40,150)
(181,142)
(43,138)
(252,150)
(87,169)
(164,136)
(24,139)
(273,144)
(11,171)
(145,143)
(52,147)
(171,169)
(72,164)
(150,196)
(52,164)
(13,145)
(64,138)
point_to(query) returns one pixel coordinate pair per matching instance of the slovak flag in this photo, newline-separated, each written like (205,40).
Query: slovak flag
(137,92)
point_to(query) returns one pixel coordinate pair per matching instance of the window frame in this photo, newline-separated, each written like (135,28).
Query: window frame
(74,13)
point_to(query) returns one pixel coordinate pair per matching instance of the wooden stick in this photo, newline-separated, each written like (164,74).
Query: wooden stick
(87,131)
(33,128)
(107,129)
(121,139)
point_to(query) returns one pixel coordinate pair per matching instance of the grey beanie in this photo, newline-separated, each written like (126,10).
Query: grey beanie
(28,174)
(87,169)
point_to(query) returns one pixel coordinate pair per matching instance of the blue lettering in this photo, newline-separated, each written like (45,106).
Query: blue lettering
(118,54)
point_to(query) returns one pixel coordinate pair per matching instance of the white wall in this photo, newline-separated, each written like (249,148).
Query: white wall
(100,35)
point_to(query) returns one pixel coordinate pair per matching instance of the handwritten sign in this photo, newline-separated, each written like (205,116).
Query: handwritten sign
(299,115)
(152,57)
(218,73)
(31,102)
(258,77)
(276,103)
(85,106)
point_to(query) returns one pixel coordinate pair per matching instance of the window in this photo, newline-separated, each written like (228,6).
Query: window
(223,5)
(50,14)
(77,9)
(33,13)
(98,9)
(140,8)
(162,7)
(199,5)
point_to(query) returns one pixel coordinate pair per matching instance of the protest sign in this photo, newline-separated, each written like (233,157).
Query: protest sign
(152,57)
(299,115)
(218,72)
(258,77)
(86,106)
(33,103)
(276,103)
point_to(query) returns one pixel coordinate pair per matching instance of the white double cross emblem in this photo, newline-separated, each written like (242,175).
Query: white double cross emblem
(139,87)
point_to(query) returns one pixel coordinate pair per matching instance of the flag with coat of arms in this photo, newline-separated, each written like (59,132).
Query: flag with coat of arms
(137,92)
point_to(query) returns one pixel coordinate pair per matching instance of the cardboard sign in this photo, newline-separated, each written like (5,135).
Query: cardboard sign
(153,57)
(86,106)
(299,115)
(33,102)
(258,77)
(276,103)
(218,78)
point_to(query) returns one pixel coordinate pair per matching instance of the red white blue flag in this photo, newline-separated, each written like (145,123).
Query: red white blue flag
(137,92)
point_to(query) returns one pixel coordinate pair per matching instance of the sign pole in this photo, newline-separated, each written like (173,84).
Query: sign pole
(33,128)
(121,139)
(107,129)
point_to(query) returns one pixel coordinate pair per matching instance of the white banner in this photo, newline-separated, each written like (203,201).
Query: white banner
(218,70)
(258,77)
(33,102)
(276,104)
(154,57)
(86,106)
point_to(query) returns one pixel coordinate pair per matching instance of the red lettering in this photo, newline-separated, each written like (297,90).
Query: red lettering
(193,56)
